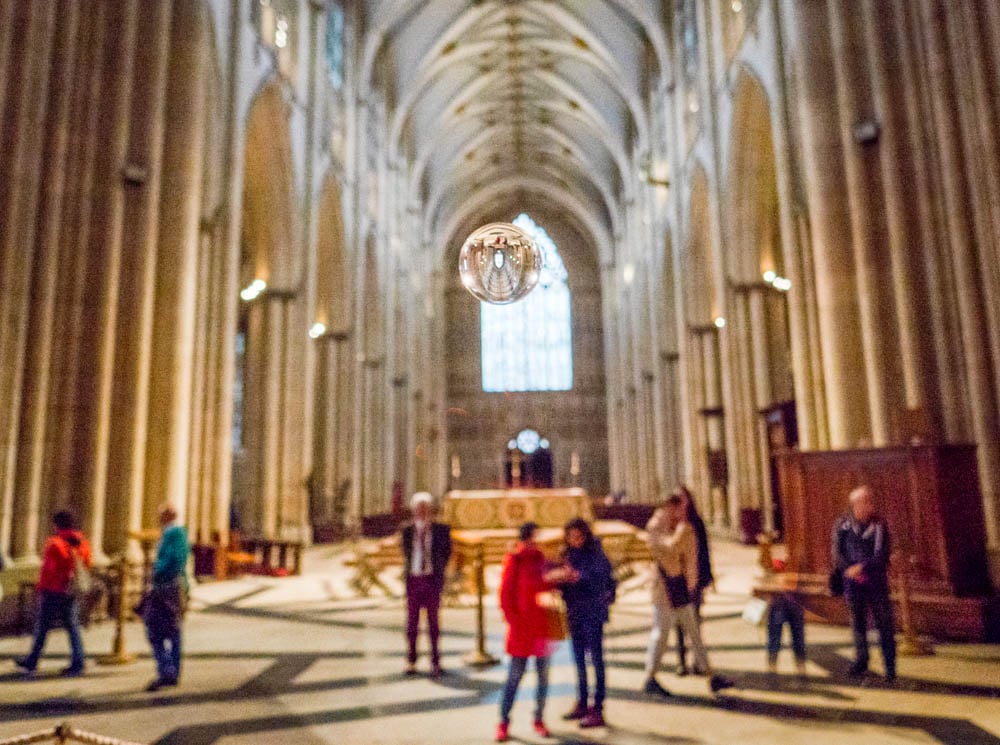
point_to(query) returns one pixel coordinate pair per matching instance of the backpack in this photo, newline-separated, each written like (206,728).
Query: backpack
(81,581)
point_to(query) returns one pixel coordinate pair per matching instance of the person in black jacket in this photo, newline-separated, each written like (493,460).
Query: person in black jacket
(588,585)
(426,550)
(861,549)
(705,577)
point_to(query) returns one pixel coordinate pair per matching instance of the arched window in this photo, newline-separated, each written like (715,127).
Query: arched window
(528,345)
(335,44)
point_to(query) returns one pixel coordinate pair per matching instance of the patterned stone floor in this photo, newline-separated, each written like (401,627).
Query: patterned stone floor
(299,660)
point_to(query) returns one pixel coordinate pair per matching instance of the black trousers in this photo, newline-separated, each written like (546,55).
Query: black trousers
(862,599)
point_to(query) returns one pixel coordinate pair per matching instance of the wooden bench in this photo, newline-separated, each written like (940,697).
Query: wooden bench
(243,555)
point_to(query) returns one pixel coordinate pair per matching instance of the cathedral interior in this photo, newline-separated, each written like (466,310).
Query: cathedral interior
(229,280)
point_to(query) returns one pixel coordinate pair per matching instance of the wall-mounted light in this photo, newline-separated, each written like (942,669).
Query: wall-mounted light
(628,273)
(317,330)
(866,131)
(782,284)
(281,32)
(253,290)
(719,322)
(737,6)
(647,174)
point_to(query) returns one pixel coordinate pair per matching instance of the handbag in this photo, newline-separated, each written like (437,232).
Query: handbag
(81,581)
(755,611)
(556,624)
(677,589)
(836,582)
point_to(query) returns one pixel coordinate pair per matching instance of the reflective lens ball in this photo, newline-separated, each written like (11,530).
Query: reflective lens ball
(499,263)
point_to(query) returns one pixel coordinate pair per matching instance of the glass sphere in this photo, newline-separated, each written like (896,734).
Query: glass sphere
(499,263)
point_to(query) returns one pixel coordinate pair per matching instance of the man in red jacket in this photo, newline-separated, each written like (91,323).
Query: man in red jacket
(55,601)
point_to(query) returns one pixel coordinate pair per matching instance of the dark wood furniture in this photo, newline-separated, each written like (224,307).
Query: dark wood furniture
(929,494)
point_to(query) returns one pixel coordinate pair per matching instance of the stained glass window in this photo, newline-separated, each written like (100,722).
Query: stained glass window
(528,345)
(335,45)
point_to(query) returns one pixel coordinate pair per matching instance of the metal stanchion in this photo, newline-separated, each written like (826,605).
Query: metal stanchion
(479,657)
(909,645)
(118,654)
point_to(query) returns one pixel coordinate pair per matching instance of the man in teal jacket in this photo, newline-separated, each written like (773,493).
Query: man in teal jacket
(163,610)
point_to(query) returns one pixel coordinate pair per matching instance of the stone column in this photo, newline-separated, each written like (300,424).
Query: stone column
(671,416)
(978,99)
(815,352)
(649,432)
(399,435)
(101,280)
(616,476)
(37,306)
(697,399)
(170,401)
(329,438)
(743,418)
(844,376)
(225,282)
(713,421)
(59,476)
(809,400)
(763,395)
(378,435)
(912,94)
(366,435)
(21,163)
(970,300)
(203,395)
(140,232)
(897,179)
(878,319)
(6,49)
(741,415)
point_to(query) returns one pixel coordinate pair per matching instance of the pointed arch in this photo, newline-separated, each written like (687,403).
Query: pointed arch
(268,192)
(755,237)
(699,274)
(332,296)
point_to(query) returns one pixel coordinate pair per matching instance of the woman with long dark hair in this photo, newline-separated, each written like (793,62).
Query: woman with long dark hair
(705,577)
(588,588)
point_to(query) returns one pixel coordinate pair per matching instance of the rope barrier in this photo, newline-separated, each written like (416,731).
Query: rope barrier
(64,733)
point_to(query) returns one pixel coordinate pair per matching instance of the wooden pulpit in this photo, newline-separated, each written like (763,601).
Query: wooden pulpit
(929,494)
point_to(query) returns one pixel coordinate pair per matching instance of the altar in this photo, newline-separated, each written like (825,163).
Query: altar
(492,516)
(489,509)
(487,520)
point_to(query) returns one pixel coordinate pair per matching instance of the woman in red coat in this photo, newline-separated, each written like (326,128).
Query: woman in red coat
(527,630)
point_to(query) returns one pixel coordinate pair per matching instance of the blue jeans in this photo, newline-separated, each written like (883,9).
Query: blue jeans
(517,667)
(163,628)
(53,607)
(168,660)
(588,636)
(786,610)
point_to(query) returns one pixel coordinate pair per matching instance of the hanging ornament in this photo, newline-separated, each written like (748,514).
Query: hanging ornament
(500,263)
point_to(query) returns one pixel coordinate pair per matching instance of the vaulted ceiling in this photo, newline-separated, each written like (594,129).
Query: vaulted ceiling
(545,98)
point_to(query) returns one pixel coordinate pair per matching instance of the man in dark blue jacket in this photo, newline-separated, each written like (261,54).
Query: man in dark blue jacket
(861,547)
(426,548)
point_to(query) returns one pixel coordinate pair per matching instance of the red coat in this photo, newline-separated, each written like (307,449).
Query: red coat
(57,559)
(527,630)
